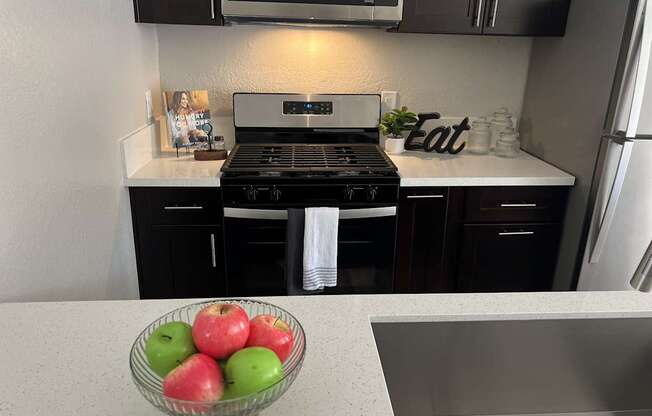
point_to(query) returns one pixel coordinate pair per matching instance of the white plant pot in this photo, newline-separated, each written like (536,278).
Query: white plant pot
(395,145)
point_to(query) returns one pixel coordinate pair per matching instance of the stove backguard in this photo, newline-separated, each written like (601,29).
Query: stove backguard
(306,118)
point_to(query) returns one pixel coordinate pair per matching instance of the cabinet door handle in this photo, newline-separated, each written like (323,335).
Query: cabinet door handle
(523,205)
(494,14)
(513,233)
(213,9)
(478,14)
(424,196)
(188,208)
(213,254)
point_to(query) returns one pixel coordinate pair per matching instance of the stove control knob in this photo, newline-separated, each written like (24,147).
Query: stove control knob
(349,193)
(251,193)
(275,194)
(372,193)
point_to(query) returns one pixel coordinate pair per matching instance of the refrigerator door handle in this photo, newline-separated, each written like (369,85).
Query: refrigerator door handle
(642,279)
(629,103)
(641,69)
(614,198)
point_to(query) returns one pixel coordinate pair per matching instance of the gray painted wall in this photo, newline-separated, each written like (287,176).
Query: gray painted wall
(455,75)
(566,102)
(72,76)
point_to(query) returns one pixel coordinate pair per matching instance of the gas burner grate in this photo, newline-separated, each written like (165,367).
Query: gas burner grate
(298,158)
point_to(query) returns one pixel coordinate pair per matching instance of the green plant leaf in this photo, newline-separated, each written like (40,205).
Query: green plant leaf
(398,121)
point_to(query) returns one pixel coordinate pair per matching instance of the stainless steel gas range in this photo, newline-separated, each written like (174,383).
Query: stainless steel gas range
(300,150)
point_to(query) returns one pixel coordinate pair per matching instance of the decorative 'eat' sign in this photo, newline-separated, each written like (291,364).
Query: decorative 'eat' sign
(437,139)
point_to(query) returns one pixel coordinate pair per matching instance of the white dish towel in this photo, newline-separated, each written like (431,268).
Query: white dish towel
(320,248)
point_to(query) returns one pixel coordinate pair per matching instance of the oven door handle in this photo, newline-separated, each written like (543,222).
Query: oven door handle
(278,214)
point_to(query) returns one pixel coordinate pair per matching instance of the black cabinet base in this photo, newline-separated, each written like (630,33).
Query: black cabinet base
(179,242)
(484,239)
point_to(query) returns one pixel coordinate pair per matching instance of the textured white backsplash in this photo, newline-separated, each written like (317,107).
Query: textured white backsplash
(453,75)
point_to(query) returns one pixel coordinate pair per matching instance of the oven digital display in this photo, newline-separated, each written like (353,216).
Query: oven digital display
(308,107)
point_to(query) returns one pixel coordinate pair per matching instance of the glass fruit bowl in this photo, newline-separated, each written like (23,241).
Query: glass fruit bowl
(151,385)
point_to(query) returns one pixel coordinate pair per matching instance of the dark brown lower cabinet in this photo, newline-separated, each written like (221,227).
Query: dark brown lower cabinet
(182,262)
(179,242)
(507,257)
(420,242)
(478,239)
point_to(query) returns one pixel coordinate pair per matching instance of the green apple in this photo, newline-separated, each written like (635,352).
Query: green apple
(251,370)
(168,346)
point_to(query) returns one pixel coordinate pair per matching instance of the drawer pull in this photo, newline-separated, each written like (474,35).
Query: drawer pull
(514,233)
(193,208)
(425,196)
(524,205)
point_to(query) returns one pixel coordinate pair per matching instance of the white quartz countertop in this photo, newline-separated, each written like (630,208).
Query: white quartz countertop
(415,169)
(433,169)
(182,171)
(72,358)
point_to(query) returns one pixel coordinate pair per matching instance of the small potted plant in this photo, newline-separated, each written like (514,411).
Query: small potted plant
(393,125)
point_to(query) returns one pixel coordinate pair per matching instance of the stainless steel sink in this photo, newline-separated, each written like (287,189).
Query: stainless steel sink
(581,366)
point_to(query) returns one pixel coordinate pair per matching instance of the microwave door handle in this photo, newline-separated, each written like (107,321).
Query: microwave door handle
(271,214)
(614,198)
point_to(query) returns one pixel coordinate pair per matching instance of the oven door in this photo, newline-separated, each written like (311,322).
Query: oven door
(255,243)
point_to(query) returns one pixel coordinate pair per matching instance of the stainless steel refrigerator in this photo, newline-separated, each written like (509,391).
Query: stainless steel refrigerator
(588,110)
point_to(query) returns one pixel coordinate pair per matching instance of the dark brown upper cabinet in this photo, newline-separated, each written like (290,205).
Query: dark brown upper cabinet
(526,17)
(442,16)
(486,17)
(182,12)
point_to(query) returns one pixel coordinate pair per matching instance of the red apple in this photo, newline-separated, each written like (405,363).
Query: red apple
(197,379)
(271,332)
(220,330)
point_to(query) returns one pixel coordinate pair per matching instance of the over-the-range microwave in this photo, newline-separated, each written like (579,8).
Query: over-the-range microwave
(378,13)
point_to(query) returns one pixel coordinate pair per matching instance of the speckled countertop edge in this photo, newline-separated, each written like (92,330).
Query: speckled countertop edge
(55,347)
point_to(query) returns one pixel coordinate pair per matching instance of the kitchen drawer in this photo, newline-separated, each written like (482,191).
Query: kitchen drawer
(178,206)
(423,193)
(515,204)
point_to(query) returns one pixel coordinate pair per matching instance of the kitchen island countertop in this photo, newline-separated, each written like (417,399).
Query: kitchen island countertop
(72,358)
(415,169)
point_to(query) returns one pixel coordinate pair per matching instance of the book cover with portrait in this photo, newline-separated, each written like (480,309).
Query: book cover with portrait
(188,114)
